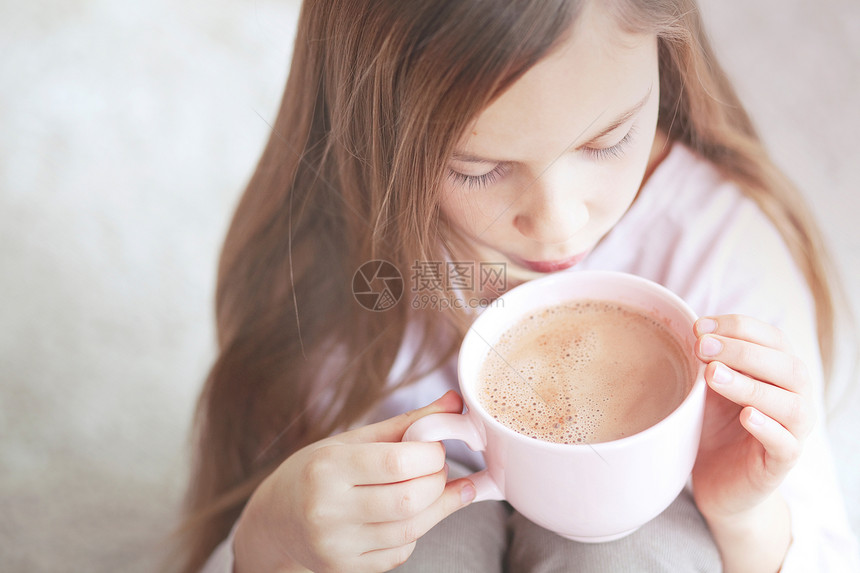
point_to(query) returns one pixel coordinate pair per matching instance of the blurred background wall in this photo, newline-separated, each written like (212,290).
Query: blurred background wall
(127,131)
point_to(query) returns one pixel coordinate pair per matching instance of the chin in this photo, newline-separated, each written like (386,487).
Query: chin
(517,275)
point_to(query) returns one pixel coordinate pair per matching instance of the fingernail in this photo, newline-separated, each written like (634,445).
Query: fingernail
(467,494)
(711,346)
(706,325)
(756,418)
(722,375)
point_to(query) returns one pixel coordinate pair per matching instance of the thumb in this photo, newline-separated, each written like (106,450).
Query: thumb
(392,429)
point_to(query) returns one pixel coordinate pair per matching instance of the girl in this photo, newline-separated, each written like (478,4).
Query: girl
(540,135)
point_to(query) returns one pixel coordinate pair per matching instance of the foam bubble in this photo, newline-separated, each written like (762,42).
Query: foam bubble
(584,372)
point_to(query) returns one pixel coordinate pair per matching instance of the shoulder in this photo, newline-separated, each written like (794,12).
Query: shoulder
(688,197)
(695,231)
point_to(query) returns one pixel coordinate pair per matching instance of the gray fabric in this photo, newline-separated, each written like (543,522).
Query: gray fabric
(489,537)
(471,539)
(676,540)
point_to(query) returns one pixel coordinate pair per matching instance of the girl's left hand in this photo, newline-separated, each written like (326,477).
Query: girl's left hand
(757,416)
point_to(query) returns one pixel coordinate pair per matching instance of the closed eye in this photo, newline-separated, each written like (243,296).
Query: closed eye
(614,152)
(596,153)
(478,181)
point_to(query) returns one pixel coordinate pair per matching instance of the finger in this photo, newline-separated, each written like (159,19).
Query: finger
(744,328)
(392,430)
(456,494)
(782,449)
(398,501)
(761,362)
(385,559)
(387,463)
(791,410)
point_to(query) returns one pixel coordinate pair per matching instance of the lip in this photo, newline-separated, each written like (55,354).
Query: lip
(552,266)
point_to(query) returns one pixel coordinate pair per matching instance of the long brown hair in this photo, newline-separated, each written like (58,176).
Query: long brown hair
(377,96)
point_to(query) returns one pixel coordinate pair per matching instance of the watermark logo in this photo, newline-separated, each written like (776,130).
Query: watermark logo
(377,285)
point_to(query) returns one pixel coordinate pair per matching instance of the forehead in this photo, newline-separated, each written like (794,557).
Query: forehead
(597,72)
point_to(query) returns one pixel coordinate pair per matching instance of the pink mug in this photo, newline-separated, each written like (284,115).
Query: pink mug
(585,492)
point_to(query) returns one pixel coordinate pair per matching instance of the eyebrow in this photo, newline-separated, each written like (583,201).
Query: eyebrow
(613,125)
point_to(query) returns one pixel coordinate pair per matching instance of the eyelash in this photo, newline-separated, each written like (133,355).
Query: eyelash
(614,152)
(480,181)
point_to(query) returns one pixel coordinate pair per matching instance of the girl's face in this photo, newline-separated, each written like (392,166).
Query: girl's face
(551,165)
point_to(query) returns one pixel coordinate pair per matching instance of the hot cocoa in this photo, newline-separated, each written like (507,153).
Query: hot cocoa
(585,372)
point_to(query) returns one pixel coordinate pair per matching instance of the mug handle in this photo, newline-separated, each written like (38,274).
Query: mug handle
(437,427)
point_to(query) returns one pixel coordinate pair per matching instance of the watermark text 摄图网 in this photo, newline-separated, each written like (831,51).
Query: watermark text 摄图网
(378,285)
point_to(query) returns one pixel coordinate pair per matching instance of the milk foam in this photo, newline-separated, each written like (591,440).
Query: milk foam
(585,372)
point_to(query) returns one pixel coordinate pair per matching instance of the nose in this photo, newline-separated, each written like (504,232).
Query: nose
(552,210)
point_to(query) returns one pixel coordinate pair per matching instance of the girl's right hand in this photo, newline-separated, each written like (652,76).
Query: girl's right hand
(356,501)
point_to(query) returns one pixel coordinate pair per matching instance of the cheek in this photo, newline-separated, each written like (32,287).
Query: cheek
(628,176)
(461,210)
(482,211)
(617,187)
